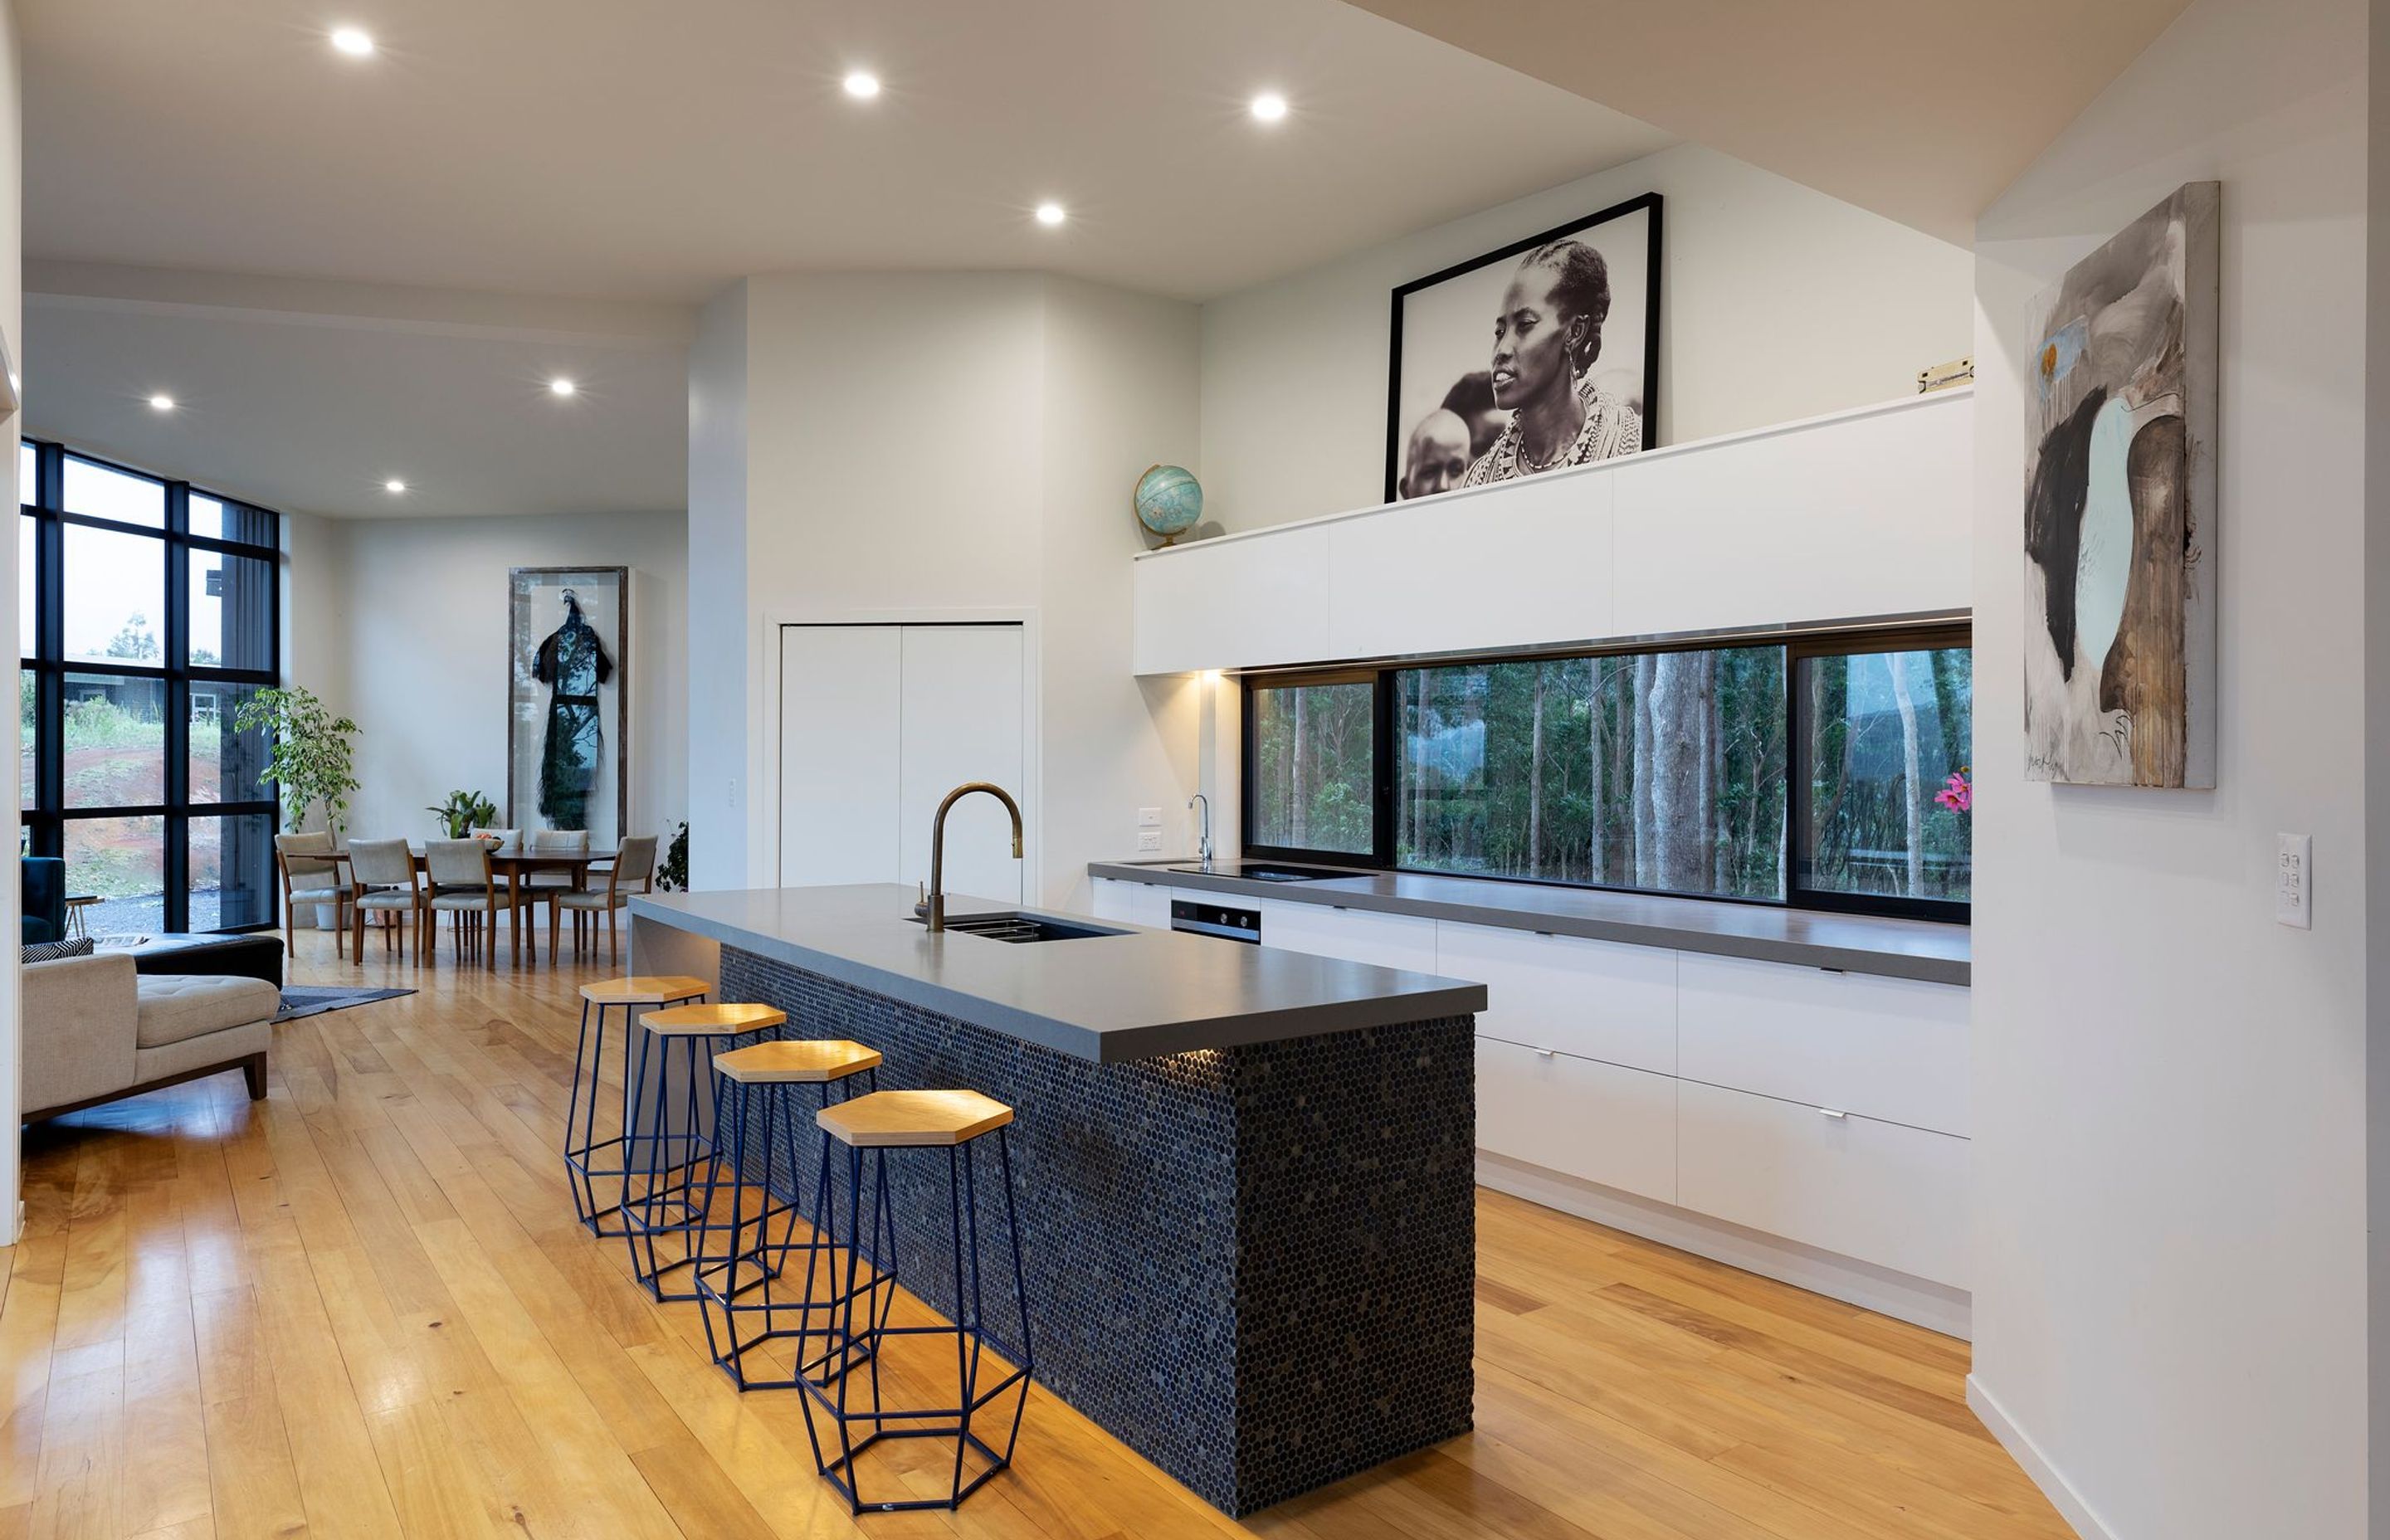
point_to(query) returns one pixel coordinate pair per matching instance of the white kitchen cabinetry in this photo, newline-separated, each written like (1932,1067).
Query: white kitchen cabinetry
(1595,1122)
(1132,903)
(1889,1048)
(1878,1191)
(1794,1119)
(1356,935)
(1595,999)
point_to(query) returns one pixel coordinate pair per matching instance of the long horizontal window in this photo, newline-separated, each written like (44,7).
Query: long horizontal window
(1828,774)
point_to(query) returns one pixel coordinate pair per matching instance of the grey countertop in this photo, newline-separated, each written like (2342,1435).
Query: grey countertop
(1138,995)
(1855,943)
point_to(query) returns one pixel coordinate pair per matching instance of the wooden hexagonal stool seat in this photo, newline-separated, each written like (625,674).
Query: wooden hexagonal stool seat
(596,1167)
(645,989)
(790,1061)
(713,1021)
(870,1128)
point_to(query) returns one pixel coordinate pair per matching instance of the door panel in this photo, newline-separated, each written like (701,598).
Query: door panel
(961,721)
(840,741)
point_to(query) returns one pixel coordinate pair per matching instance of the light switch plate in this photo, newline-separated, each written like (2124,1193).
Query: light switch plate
(2294,863)
(1148,818)
(1148,838)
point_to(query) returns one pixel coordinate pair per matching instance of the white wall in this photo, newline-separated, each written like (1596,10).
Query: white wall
(12,227)
(1777,302)
(2170,1296)
(719,636)
(424,602)
(922,443)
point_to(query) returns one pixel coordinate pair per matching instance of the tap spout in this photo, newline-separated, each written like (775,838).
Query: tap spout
(937,900)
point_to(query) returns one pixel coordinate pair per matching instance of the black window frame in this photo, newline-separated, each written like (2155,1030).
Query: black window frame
(46,821)
(1794,645)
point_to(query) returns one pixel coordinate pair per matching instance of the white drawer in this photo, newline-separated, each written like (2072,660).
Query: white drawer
(1356,935)
(1891,1195)
(1890,1048)
(1132,903)
(1596,1122)
(1596,999)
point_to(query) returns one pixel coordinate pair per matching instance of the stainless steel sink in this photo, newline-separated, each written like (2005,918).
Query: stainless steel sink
(1263,871)
(1021,929)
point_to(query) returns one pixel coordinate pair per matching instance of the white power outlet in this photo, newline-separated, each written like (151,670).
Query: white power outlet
(2294,857)
(1148,838)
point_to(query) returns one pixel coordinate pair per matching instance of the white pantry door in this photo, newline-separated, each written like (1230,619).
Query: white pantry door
(877,722)
(962,722)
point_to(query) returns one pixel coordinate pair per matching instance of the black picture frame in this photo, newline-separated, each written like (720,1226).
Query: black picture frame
(1646,204)
(523,699)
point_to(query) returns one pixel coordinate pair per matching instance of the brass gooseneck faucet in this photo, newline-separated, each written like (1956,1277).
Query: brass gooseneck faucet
(935,907)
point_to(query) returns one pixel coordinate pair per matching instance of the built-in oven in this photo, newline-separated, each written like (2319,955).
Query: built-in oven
(1216,919)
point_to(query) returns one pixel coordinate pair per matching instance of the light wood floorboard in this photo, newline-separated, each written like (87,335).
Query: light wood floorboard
(362,1308)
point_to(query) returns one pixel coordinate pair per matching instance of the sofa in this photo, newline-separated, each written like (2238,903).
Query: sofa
(94,1029)
(42,881)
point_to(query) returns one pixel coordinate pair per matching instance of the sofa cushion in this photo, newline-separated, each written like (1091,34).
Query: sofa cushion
(176,1007)
(51,951)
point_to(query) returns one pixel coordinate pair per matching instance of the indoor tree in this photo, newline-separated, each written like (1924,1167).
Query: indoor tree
(311,757)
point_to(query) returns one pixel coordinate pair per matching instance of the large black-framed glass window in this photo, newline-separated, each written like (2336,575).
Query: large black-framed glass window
(1815,773)
(150,611)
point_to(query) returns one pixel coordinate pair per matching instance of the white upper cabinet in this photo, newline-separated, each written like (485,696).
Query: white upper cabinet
(1864,513)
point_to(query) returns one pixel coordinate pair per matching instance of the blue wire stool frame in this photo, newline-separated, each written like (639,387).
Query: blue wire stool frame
(854,1351)
(581,1145)
(669,1202)
(718,1283)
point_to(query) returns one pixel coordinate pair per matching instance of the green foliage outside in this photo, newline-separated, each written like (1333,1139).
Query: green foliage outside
(1660,771)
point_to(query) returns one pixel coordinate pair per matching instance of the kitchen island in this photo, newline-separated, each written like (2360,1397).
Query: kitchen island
(1244,1177)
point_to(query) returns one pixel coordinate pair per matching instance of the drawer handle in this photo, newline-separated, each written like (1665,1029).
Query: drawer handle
(1836,1113)
(1545,1053)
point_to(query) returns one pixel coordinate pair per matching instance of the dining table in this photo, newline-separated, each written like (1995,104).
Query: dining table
(515,862)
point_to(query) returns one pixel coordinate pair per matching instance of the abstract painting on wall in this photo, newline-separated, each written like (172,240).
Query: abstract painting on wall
(2120,509)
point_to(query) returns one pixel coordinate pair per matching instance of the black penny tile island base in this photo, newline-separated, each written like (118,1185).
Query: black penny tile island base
(1253,1262)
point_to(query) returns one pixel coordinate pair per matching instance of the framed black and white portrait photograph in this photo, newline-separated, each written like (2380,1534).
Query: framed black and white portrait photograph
(568,677)
(1542,354)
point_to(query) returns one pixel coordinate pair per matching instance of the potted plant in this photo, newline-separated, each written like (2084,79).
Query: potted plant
(310,759)
(464,811)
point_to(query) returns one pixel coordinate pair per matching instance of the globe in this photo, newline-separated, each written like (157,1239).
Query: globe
(1168,500)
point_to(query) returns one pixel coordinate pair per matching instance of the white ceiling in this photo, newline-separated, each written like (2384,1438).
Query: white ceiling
(308,396)
(628,149)
(1923,111)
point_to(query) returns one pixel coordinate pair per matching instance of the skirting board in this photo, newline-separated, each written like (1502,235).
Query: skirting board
(1932,1305)
(2036,1466)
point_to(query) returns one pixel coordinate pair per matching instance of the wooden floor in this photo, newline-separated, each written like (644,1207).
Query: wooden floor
(361,1308)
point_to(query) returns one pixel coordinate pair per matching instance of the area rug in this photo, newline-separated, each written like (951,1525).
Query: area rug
(298,1001)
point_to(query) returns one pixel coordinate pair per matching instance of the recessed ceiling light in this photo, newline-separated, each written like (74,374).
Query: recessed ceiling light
(1050,213)
(560,386)
(355,42)
(861,84)
(163,402)
(1269,106)
(393,485)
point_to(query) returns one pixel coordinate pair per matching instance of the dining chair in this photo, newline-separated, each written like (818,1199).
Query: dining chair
(463,889)
(633,863)
(536,884)
(310,876)
(381,874)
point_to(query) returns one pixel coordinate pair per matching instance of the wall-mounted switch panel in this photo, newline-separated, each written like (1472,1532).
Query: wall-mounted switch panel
(1149,839)
(1148,818)
(2294,857)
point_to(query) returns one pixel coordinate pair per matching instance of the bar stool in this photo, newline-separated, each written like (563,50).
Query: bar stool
(581,1141)
(879,1122)
(660,1196)
(768,1072)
